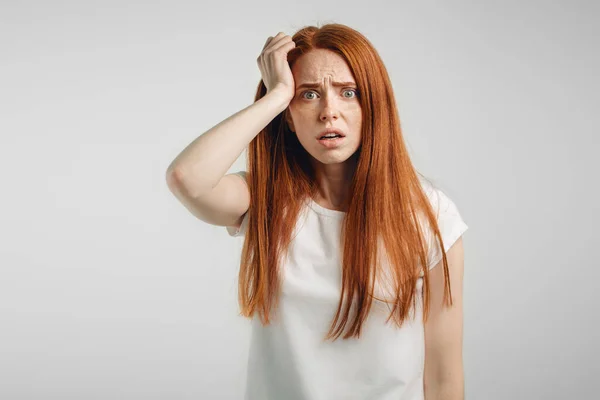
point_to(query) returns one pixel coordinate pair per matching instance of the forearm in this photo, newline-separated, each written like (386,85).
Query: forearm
(202,164)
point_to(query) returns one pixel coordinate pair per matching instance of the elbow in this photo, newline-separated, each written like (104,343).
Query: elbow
(444,383)
(180,185)
(173,177)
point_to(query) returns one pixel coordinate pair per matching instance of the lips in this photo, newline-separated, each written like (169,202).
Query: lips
(329,131)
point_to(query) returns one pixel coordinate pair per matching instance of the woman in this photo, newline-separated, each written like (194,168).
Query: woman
(352,262)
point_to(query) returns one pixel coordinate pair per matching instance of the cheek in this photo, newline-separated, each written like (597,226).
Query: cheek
(301,117)
(356,119)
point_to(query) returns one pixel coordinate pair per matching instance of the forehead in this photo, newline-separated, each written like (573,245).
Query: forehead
(320,64)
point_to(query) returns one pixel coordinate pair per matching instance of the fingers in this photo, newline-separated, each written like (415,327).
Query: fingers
(273,41)
(267,42)
(285,42)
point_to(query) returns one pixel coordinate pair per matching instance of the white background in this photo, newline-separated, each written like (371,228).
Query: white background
(111,289)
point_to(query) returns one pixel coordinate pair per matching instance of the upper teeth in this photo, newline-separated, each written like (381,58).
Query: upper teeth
(331,135)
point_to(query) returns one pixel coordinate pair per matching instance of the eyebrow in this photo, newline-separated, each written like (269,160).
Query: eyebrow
(316,85)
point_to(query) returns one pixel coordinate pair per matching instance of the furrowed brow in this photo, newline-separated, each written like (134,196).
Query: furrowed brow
(317,85)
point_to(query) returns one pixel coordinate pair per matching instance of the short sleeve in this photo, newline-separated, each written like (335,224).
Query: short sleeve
(450,223)
(231,230)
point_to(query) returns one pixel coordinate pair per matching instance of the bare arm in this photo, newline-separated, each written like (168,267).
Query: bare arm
(201,165)
(197,175)
(444,376)
(198,169)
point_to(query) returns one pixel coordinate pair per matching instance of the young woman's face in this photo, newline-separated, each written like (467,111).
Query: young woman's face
(316,108)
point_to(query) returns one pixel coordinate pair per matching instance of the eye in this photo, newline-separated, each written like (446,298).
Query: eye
(308,91)
(355,91)
(352,90)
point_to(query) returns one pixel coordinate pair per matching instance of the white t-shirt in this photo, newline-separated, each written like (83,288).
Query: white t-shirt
(289,360)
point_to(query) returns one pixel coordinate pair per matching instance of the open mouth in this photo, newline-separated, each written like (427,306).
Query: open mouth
(329,137)
(331,142)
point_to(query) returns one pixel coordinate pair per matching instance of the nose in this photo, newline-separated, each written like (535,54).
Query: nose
(330,111)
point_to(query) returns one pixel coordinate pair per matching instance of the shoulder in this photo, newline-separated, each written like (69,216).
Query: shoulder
(442,203)
(449,220)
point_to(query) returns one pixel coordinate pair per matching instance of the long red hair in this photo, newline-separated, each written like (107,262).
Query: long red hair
(387,198)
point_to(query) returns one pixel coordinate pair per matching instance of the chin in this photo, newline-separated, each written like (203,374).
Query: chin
(332,157)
